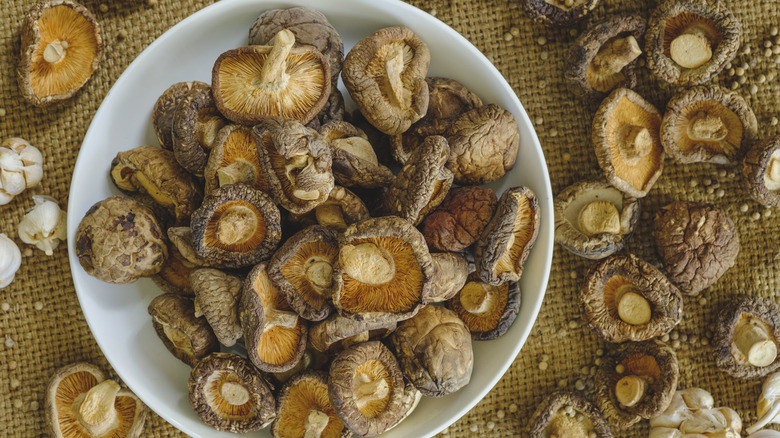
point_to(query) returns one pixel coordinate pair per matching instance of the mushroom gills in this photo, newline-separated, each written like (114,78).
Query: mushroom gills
(753,341)
(605,70)
(570,423)
(479,298)
(689,39)
(370,383)
(772,175)
(310,271)
(522,233)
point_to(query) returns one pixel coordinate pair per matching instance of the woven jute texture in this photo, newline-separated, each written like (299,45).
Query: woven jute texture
(42,327)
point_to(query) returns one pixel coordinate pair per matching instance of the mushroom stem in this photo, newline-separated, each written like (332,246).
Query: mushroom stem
(95,409)
(706,127)
(394,66)
(278,318)
(368,389)
(367,263)
(236,225)
(765,419)
(273,74)
(616,54)
(315,423)
(772,175)
(55,51)
(319,272)
(238,171)
(755,342)
(634,143)
(630,390)
(207,127)
(692,48)
(329,214)
(599,217)
(234,393)
(476,298)
(295,170)
(633,308)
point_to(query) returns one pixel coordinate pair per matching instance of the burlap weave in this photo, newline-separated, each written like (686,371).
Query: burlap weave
(42,327)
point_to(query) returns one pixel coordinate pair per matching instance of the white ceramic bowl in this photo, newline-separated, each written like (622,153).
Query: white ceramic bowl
(117,315)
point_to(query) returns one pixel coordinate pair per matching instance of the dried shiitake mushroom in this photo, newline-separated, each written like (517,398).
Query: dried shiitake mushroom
(450,270)
(228,394)
(302,269)
(216,297)
(354,160)
(636,381)
(304,410)
(593,219)
(181,238)
(697,244)
(459,220)
(385,75)
(119,241)
(186,336)
(488,311)
(297,162)
(333,111)
(254,82)
(708,124)
(274,335)
(341,209)
(379,140)
(62,45)
(689,42)
(627,139)
(761,172)
(174,276)
(366,388)
(505,243)
(82,403)
(747,337)
(604,56)
(383,271)
(236,226)
(196,122)
(627,299)
(567,414)
(337,332)
(233,159)
(558,12)
(165,107)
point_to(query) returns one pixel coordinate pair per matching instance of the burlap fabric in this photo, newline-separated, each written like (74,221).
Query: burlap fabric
(42,327)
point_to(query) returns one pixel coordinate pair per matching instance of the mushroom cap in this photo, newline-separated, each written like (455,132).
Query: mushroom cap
(354,160)
(228,381)
(497,309)
(119,240)
(628,169)
(551,412)
(696,103)
(195,119)
(450,269)
(570,202)
(341,209)
(218,294)
(187,337)
(728,356)
(48,25)
(697,244)
(333,110)
(303,393)
(233,159)
(554,13)
(365,77)
(459,220)
(671,19)
(760,170)
(181,238)
(337,332)
(601,294)
(165,107)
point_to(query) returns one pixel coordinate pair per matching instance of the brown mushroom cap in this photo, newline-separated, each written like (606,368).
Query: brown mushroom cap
(196,122)
(385,75)
(488,311)
(174,276)
(233,159)
(708,124)
(567,414)
(625,298)
(62,45)
(450,270)
(747,337)
(187,337)
(341,209)
(337,332)
(229,395)
(354,161)
(379,140)
(217,294)
(165,107)
(707,34)
(366,388)
(697,244)
(647,382)
(505,243)
(593,219)
(627,139)
(303,409)
(459,220)
(119,240)
(181,238)
(558,12)
(761,172)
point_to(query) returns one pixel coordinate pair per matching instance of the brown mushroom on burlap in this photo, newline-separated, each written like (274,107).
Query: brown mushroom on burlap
(558,12)
(747,337)
(761,172)
(188,337)
(567,414)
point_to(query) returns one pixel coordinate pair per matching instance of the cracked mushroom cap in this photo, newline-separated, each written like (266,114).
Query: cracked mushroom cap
(488,311)
(636,381)
(304,410)
(697,244)
(254,82)
(187,337)
(366,388)
(459,220)
(505,243)
(236,226)
(62,45)
(233,159)
(81,403)
(558,12)
(747,337)
(337,332)
(174,276)
(383,272)
(688,42)
(230,395)
(342,209)
(761,172)
(593,219)
(604,56)
(196,122)
(274,335)
(567,414)
(627,139)
(165,107)
(354,161)
(627,299)
(385,76)
(216,297)
(119,241)
(708,124)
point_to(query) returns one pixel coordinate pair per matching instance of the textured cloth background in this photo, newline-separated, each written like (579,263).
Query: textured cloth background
(42,327)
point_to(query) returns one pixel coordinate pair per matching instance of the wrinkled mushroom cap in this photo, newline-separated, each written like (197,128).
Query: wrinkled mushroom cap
(487,311)
(337,332)
(187,337)
(747,337)
(450,269)
(354,161)
(196,121)
(567,414)
(761,172)
(303,409)
(558,12)
(459,220)
(165,107)
(181,238)
(233,159)
(217,294)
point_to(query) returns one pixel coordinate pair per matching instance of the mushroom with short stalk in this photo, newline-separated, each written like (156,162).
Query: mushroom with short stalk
(747,337)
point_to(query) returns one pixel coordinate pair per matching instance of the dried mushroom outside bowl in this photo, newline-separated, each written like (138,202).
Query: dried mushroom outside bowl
(138,356)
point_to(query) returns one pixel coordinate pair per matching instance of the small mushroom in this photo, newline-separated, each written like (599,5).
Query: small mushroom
(233,160)
(697,243)
(761,172)
(505,243)
(366,388)
(567,414)
(216,297)
(304,410)
(488,311)
(636,381)
(385,75)
(708,124)
(627,299)
(43,225)
(62,45)
(354,160)
(459,220)
(688,42)
(82,403)
(165,107)
(627,139)
(450,270)
(10,260)
(21,167)
(186,336)
(747,337)
(174,277)
(341,209)
(229,395)
(604,56)
(691,413)
(337,332)
(593,219)
(119,241)
(196,122)
(254,82)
